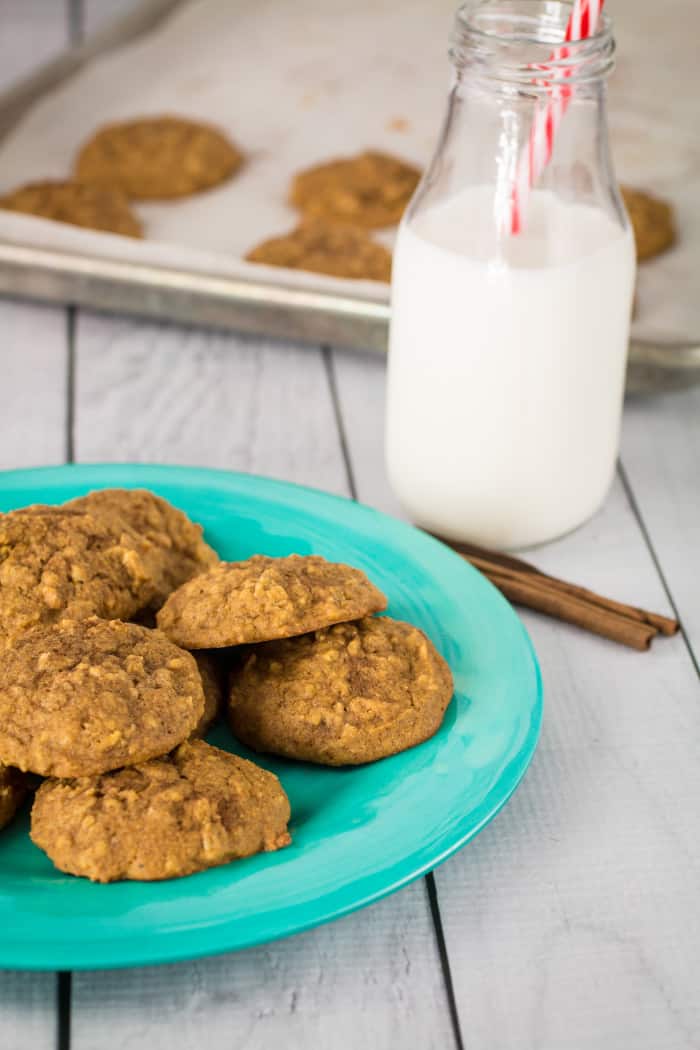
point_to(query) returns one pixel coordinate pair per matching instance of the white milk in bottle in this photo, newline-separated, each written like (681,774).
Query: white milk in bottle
(507,353)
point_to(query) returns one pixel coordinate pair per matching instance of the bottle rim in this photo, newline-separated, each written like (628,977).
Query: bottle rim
(521,42)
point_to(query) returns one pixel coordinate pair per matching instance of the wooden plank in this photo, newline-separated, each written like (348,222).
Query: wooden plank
(151,392)
(661,457)
(573,920)
(32,431)
(97,14)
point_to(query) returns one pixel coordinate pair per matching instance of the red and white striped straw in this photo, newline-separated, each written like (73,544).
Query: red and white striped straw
(537,153)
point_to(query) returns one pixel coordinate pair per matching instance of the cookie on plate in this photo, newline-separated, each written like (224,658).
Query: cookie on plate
(371,189)
(94,207)
(197,808)
(57,563)
(344,695)
(82,697)
(323,247)
(157,158)
(264,598)
(178,551)
(652,221)
(13,791)
(211,674)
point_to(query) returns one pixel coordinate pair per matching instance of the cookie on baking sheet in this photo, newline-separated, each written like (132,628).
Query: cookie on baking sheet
(197,808)
(322,247)
(103,208)
(82,697)
(211,673)
(371,189)
(652,221)
(157,158)
(178,550)
(57,563)
(13,790)
(264,598)
(345,695)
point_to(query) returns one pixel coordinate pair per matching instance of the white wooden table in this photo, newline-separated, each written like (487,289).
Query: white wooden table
(573,921)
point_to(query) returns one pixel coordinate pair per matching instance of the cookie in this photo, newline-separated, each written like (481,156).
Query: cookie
(264,598)
(211,674)
(344,695)
(78,203)
(371,189)
(177,548)
(195,809)
(652,221)
(157,158)
(13,790)
(84,697)
(321,247)
(57,563)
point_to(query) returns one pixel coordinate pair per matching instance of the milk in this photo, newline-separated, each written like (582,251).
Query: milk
(506,367)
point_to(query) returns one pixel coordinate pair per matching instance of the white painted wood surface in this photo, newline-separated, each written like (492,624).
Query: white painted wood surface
(154,392)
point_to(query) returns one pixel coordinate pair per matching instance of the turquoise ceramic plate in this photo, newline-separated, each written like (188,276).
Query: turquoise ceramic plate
(358,834)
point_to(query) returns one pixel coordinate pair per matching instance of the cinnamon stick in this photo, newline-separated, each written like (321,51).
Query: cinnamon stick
(487,561)
(526,589)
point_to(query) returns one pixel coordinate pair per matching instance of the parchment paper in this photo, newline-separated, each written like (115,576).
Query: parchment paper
(294,82)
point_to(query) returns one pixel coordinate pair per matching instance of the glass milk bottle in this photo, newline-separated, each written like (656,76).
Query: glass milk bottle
(508,350)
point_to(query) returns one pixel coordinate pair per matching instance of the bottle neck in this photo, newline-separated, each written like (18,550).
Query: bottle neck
(518,48)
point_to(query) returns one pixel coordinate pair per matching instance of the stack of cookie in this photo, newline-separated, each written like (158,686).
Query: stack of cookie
(110,710)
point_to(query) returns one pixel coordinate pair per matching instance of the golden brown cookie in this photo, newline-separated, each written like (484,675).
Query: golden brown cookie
(78,203)
(211,674)
(85,696)
(652,221)
(178,550)
(371,189)
(13,790)
(345,695)
(195,809)
(321,247)
(57,563)
(157,158)
(264,598)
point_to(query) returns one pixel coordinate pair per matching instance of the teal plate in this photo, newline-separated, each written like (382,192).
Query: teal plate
(358,834)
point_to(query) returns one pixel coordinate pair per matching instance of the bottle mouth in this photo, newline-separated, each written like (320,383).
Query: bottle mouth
(521,43)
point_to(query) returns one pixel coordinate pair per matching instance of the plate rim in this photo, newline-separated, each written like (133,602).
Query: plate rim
(218,936)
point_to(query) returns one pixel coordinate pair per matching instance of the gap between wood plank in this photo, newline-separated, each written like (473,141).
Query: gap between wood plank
(75,12)
(431,888)
(71,322)
(64,980)
(646,536)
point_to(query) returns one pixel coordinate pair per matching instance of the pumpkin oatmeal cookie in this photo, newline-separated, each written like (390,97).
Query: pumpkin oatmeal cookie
(194,809)
(322,247)
(345,695)
(157,158)
(652,221)
(84,697)
(57,563)
(94,207)
(265,598)
(371,189)
(178,551)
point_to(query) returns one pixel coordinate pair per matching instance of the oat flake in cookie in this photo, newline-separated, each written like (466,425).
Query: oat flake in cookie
(195,809)
(264,598)
(56,563)
(178,551)
(83,697)
(349,694)
(158,157)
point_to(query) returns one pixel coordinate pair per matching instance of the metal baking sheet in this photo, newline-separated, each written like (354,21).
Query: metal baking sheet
(277,306)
